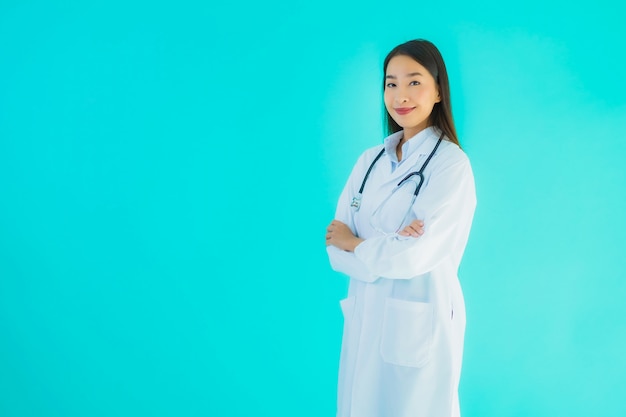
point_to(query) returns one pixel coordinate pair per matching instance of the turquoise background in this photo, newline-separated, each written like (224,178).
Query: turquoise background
(167,171)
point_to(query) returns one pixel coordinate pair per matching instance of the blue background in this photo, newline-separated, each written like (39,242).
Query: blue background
(167,171)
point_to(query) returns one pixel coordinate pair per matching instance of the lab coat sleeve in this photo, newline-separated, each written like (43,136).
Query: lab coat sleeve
(340,260)
(448,204)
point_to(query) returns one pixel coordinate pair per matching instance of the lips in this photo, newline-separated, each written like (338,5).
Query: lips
(404,110)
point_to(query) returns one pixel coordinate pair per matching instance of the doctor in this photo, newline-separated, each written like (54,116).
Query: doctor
(400,229)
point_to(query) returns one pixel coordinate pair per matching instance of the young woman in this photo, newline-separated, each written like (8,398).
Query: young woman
(399,232)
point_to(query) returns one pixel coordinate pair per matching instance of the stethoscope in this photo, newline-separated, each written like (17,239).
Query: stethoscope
(356,201)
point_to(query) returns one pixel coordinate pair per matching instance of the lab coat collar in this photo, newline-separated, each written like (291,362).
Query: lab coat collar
(415,144)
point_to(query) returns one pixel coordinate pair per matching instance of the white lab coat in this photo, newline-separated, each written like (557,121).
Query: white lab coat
(404,316)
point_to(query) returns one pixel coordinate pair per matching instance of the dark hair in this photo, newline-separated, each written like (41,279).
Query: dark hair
(427,55)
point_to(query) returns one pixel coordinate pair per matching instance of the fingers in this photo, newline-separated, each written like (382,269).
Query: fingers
(329,231)
(335,225)
(415,229)
(336,232)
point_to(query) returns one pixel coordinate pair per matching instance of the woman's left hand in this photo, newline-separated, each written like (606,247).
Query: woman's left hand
(415,229)
(339,234)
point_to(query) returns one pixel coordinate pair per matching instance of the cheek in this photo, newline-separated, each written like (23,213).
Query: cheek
(388,99)
(423,101)
(430,96)
(422,95)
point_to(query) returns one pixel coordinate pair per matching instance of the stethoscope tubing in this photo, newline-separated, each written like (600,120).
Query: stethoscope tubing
(356,201)
(420,173)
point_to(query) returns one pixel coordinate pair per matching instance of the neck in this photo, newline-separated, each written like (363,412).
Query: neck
(409,133)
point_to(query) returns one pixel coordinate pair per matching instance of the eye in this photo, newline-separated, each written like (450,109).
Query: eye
(414,82)
(390,85)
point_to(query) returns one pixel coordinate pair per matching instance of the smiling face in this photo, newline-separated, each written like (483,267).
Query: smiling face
(410,94)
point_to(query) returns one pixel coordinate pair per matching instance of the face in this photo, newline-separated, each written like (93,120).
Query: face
(410,94)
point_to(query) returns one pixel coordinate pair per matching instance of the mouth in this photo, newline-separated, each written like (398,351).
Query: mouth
(404,110)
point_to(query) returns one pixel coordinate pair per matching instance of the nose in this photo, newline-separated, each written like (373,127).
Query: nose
(401,98)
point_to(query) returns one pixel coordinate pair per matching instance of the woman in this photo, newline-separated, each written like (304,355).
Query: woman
(401,245)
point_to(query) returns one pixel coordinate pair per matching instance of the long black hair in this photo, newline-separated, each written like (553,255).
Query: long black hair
(427,55)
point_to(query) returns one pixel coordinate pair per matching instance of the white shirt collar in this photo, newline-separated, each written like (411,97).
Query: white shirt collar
(411,145)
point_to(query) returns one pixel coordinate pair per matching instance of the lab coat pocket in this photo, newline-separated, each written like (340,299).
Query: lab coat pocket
(347,308)
(407,333)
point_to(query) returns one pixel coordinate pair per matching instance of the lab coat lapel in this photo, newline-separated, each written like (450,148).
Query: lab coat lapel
(416,159)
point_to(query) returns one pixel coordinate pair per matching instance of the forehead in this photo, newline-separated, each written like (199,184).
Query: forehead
(402,65)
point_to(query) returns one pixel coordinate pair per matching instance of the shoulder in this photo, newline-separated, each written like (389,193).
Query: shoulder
(364,161)
(388,145)
(451,162)
(369,155)
(450,153)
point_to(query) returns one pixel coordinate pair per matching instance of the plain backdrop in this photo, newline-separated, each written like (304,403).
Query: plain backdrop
(167,171)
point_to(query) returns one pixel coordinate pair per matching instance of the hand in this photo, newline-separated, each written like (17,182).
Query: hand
(339,234)
(415,229)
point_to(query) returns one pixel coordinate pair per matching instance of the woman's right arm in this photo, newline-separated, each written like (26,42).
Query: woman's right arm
(340,260)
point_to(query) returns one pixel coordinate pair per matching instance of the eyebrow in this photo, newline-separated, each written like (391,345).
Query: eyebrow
(413,74)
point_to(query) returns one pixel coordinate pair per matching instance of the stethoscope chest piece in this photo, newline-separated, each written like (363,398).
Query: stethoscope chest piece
(356,202)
